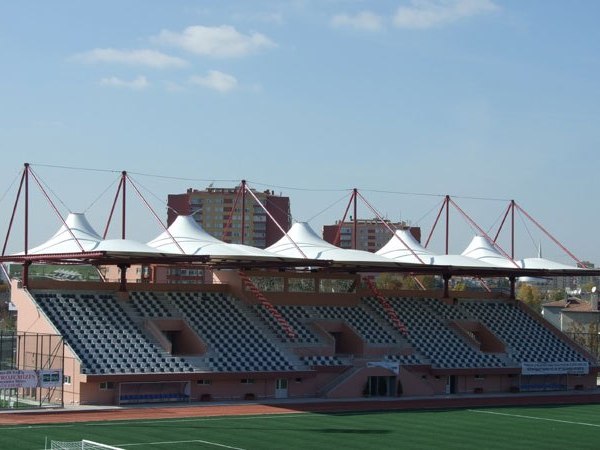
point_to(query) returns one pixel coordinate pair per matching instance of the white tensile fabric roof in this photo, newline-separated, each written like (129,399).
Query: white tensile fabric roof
(403,247)
(63,242)
(195,240)
(302,242)
(542,263)
(126,246)
(482,249)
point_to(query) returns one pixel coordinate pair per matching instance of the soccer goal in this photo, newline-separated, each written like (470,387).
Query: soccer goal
(81,445)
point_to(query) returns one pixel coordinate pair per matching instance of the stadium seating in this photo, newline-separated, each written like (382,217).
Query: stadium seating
(296,316)
(526,338)
(104,337)
(236,344)
(430,335)
(358,318)
(107,335)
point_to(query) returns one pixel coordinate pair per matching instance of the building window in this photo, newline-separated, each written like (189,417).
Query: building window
(67,379)
(107,385)
(205,382)
(247,381)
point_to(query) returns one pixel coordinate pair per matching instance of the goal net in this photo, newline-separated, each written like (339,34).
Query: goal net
(81,445)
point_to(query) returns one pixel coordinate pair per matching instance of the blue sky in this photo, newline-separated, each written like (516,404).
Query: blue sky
(472,98)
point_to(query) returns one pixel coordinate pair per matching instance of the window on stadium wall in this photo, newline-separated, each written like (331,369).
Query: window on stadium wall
(301,285)
(31,370)
(337,285)
(268,284)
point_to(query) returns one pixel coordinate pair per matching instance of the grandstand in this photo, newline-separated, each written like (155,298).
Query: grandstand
(300,319)
(165,343)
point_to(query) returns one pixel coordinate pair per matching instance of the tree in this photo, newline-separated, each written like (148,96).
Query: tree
(531,295)
(389,281)
(557,295)
(460,286)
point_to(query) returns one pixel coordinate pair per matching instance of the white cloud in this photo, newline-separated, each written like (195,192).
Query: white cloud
(223,41)
(136,84)
(422,14)
(147,58)
(216,80)
(364,20)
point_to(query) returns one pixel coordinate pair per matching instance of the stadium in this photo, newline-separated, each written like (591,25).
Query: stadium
(300,323)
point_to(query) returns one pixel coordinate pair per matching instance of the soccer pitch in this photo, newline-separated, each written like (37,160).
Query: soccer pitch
(558,427)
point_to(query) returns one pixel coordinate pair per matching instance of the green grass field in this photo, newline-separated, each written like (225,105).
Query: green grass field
(560,427)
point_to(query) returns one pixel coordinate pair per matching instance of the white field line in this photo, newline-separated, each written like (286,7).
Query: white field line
(520,416)
(216,444)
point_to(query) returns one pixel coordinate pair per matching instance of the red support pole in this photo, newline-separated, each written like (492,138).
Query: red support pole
(338,235)
(124,174)
(243,209)
(512,230)
(25,278)
(563,248)
(137,191)
(447,222)
(12,217)
(112,210)
(435,222)
(389,228)
(56,210)
(483,233)
(275,221)
(26,207)
(355,223)
(502,223)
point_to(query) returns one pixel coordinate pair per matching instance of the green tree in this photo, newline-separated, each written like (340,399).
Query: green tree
(531,295)
(557,294)
(460,286)
(390,281)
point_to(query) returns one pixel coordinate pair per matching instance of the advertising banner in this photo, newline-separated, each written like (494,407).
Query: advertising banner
(12,379)
(555,368)
(15,379)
